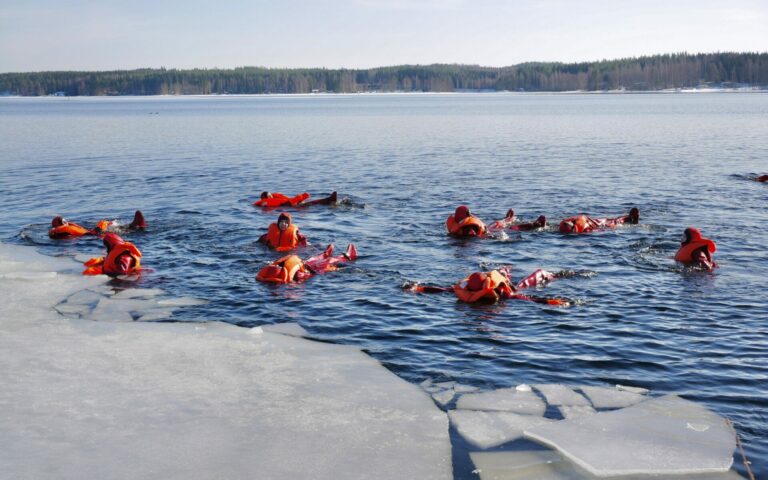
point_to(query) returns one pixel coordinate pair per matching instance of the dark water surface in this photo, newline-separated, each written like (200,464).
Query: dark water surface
(195,164)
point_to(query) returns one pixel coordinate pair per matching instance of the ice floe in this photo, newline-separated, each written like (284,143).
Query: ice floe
(490,429)
(505,399)
(576,411)
(662,436)
(84,399)
(602,397)
(289,328)
(560,395)
(444,397)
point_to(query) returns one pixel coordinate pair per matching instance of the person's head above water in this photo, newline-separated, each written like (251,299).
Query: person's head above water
(461,213)
(111,240)
(138,220)
(265,195)
(689,235)
(475,281)
(283,221)
(58,221)
(567,226)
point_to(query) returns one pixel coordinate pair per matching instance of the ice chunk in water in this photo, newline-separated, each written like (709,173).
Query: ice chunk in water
(445,384)
(85,297)
(625,388)
(576,411)
(459,388)
(560,395)
(443,397)
(651,438)
(289,328)
(155,314)
(602,397)
(549,465)
(490,429)
(139,293)
(504,399)
(181,302)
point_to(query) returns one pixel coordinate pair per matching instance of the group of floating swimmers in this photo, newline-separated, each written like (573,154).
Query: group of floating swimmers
(124,258)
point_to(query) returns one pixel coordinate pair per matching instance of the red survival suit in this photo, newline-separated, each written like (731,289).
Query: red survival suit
(123,258)
(283,240)
(463,224)
(586,224)
(60,228)
(277,199)
(695,250)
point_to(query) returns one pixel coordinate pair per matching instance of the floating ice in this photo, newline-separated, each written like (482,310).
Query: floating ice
(504,399)
(459,388)
(155,314)
(139,293)
(444,397)
(85,297)
(649,438)
(445,384)
(523,387)
(289,328)
(560,395)
(181,400)
(602,397)
(28,275)
(625,388)
(490,429)
(576,411)
(549,465)
(181,302)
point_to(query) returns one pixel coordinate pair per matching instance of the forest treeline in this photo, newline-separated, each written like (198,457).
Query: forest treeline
(656,72)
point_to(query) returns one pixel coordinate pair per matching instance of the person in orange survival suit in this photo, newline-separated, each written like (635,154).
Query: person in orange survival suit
(586,224)
(496,285)
(138,223)
(291,268)
(123,258)
(283,235)
(762,178)
(61,228)
(695,250)
(463,224)
(277,199)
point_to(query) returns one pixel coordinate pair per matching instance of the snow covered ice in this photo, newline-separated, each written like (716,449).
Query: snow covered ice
(491,429)
(84,399)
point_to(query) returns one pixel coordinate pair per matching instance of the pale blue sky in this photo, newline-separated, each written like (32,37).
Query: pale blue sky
(110,34)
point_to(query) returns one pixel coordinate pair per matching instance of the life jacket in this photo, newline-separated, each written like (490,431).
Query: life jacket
(494,284)
(108,265)
(457,228)
(581,224)
(102,225)
(283,270)
(282,240)
(278,199)
(68,230)
(685,253)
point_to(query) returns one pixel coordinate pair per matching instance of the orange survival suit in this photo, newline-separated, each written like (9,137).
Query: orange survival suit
(491,286)
(285,270)
(286,238)
(277,199)
(463,224)
(123,258)
(60,228)
(696,250)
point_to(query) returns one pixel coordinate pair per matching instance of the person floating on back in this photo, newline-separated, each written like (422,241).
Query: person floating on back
(292,269)
(497,285)
(61,229)
(696,251)
(283,235)
(586,224)
(463,224)
(123,258)
(277,199)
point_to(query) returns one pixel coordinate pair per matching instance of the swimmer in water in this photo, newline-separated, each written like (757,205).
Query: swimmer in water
(61,229)
(277,199)
(696,251)
(464,224)
(123,258)
(497,285)
(292,269)
(283,235)
(586,224)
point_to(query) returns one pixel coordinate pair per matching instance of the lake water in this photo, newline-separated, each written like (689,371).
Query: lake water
(194,165)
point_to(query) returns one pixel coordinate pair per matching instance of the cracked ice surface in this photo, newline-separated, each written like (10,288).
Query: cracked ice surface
(570,412)
(549,465)
(490,429)
(557,394)
(611,398)
(666,435)
(83,399)
(503,399)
